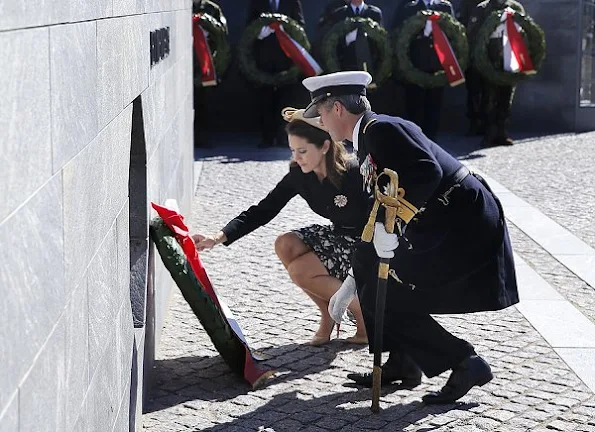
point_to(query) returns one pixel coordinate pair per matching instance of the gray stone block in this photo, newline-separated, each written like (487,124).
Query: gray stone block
(77,354)
(20,14)
(164,286)
(137,384)
(26,156)
(158,5)
(178,4)
(80,10)
(32,281)
(74,101)
(122,423)
(136,49)
(154,115)
(125,345)
(123,250)
(103,397)
(95,189)
(42,394)
(129,7)
(110,61)
(17,15)
(102,283)
(81,422)
(9,416)
(154,181)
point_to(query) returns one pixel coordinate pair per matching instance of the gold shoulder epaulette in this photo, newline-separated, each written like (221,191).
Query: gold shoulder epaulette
(369,124)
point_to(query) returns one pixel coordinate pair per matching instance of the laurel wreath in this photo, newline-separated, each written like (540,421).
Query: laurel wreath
(411,28)
(492,69)
(218,42)
(247,62)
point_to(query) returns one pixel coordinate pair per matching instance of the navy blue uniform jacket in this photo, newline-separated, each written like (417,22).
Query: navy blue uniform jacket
(454,258)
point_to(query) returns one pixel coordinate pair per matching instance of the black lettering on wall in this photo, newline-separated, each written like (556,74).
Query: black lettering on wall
(160,49)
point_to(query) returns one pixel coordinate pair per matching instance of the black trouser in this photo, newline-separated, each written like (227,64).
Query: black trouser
(473,81)
(200,115)
(488,104)
(431,347)
(423,106)
(272,101)
(498,106)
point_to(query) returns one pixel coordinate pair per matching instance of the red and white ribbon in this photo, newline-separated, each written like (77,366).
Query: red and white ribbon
(446,55)
(203,53)
(516,55)
(297,53)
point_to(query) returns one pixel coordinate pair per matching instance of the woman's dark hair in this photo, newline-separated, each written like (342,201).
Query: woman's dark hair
(336,157)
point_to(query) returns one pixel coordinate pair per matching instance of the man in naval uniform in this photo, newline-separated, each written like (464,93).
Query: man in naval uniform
(423,106)
(270,58)
(337,11)
(451,253)
(489,105)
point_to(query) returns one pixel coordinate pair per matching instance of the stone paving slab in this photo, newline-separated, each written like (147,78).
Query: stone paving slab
(533,389)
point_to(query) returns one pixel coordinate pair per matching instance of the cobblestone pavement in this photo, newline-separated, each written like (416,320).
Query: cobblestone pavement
(533,388)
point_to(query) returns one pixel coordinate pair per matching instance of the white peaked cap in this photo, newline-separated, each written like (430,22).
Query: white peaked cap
(334,84)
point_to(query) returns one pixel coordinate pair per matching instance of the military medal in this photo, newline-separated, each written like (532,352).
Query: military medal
(368,172)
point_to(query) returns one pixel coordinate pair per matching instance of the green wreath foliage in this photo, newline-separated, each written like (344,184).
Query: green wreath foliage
(231,349)
(218,42)
(247,62)
(491,70)
(411,28)
(374,31)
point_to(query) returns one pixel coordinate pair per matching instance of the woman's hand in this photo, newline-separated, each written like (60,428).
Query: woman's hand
(208,242)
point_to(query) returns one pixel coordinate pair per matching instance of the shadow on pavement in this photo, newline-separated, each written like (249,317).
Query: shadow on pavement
(208,378)
(346,411)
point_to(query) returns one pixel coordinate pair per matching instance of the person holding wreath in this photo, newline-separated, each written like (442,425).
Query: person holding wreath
(317,257)
(422,105)
(351,51)
(490,103)
(270,58)
(213,10)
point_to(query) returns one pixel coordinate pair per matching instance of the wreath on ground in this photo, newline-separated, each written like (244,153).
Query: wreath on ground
(218,43)
(493,71)
(246,58)
(411,28)
(377,34)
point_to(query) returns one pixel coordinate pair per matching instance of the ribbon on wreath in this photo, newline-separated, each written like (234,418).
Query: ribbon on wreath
(446,55)
(295,52)
(202,50)
(175,222)
(515,54)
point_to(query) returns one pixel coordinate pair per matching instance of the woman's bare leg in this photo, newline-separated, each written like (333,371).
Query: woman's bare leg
(307,272)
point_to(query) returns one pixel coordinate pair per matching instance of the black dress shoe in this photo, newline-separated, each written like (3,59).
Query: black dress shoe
(398,367)
(471,372)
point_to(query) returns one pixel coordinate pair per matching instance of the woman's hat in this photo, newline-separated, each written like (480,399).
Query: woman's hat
(290,114)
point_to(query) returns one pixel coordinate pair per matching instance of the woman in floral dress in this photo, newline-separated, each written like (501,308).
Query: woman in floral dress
(317,257)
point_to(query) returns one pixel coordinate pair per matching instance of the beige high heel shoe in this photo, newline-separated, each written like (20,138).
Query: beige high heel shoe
(322,340)
(357,340)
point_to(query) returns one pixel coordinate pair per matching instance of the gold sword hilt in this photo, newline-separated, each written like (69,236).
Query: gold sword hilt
(390,201)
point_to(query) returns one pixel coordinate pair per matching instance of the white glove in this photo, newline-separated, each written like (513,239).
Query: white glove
(342,299)
(265,32)
(384,243)
(350,37)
